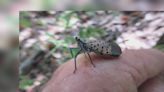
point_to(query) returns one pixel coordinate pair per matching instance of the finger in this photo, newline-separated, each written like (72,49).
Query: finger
(143,64)
(140,64)
(155,84)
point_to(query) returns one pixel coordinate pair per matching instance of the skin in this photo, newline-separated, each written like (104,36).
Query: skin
(134,71)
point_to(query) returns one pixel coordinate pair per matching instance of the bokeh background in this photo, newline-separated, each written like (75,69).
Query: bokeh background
(46,36)
(10,28)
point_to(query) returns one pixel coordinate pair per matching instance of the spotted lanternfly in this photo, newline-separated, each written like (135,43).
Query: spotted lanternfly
(100,47)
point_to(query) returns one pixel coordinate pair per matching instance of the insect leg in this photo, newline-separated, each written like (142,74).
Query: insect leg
(85,55)
(91,60)
(84,50)
(75,60)
(71,51)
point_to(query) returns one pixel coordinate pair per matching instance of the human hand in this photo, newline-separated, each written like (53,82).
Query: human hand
(133,71)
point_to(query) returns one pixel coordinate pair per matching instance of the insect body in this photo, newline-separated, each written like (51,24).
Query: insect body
(99,47)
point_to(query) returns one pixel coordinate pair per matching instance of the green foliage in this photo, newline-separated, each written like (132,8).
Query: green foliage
(60,44)
(160,47)
(69,39)
(24,19)
(68,19)
(65,17)
(91,32)
(25,81)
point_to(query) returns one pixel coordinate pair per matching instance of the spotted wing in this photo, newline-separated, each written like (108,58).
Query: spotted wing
(103,47)
(100,47)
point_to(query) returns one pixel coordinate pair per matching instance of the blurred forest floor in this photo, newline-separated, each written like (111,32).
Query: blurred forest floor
(46,36)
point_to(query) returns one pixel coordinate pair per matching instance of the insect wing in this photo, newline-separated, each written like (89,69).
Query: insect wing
(100,47)
(115,49)
(103,47)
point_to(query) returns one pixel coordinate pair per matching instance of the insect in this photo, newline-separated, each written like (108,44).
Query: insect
(100,47)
